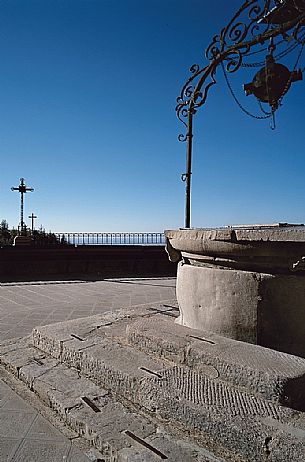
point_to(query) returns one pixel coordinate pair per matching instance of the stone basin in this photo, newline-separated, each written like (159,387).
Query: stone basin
(243,282)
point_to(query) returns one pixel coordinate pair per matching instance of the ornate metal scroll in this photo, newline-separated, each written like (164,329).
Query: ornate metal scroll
(248,32)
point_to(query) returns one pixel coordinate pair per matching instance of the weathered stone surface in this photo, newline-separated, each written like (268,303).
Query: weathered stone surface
(280,314)
(273,375)
(119,433)
(211,300)
(174,450)
(210,388)
(14,357)
(199,402)
(245,283)
(266,309)
(277,233)
(51,338)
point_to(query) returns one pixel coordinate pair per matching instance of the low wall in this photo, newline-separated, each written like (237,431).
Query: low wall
(85,262)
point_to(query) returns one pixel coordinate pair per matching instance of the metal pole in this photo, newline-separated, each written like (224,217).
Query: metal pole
(21,214)
(189,145)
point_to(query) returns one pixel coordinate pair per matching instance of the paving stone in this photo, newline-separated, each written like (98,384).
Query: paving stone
(8,447)
(15,424)
(13,344)
(41,429)
(5,393)
(21,302)
(15,403)
(42,451)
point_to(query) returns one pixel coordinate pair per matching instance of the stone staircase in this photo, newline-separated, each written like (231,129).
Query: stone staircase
(141,388)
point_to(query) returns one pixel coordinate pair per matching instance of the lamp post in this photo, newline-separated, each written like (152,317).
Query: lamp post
(281,23)
(22,189)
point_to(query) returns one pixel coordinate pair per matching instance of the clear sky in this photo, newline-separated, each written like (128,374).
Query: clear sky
(87,116)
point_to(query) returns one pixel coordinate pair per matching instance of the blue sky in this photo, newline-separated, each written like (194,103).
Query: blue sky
(87,116)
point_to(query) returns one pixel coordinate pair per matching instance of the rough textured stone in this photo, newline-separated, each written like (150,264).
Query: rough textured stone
(271,374)
(259,308)
(278,232)
(14,358)
(211,300)
(174,450)
(124,401)
(51,338)
(245,283)
(110,426)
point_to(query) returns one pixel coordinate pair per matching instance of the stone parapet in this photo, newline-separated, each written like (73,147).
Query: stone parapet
(97,262)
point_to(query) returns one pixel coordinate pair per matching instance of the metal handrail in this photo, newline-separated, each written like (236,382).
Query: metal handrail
(96,238)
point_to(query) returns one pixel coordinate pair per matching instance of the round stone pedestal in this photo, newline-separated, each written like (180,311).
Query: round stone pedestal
(243,283)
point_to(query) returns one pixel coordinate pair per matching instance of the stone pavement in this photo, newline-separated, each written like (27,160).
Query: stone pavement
(26,305)
(25,435)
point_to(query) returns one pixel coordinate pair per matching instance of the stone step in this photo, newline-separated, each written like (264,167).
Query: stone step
(273,375)
(221,415)
(117,431)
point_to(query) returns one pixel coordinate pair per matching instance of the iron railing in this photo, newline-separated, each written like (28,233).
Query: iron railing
(111,238)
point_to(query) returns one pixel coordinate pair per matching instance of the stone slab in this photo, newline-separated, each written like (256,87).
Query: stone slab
(8,447)
(50,338)
(118,432)
(109,397)
(46,451)
(184,396)
(273,375)
(244,233)
(280,248)
(14,424)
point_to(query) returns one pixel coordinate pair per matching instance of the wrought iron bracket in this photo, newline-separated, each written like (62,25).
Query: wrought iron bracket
(252,26)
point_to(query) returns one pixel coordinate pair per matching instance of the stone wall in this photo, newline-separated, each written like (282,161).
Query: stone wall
(88,262)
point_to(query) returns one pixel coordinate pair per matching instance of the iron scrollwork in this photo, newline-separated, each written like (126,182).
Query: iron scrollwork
(250,27)
(255,24)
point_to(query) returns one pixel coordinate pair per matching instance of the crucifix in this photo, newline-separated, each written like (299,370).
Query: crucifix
(32,219)
(22,189)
